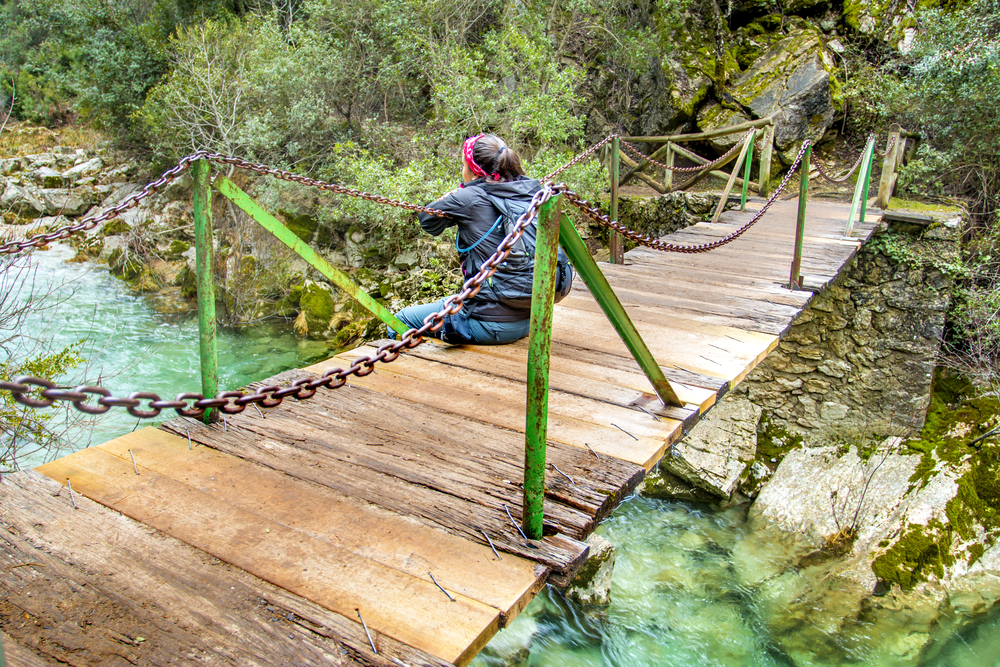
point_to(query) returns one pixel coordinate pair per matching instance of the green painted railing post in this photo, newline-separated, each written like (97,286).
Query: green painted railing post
(539,346)
(616,244)
(795,277)
(599,287)
(867,182)
(229,190)
(206,287)
(746,176)
(861,187)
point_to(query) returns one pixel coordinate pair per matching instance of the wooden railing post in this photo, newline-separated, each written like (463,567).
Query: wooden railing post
(616,243)
(795,276)
(764,171)
(207,346)
(890,163)
(539,347)
(747,148)
(746,173)
(668,174)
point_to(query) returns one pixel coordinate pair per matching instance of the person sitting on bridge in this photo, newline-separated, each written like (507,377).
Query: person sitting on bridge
(491,317)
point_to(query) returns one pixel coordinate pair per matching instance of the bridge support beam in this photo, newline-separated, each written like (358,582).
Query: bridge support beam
(202,202)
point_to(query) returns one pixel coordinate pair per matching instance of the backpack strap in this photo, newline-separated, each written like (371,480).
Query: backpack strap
(481,238)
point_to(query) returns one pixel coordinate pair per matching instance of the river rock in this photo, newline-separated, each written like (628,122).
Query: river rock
(84,169)
(790,82)
(718,449)
(592,584)
(60,201)
(21,200)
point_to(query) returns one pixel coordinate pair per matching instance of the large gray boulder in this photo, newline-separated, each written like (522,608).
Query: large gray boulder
(718,449)
(870,544)
(23,201)
(61,201)
(791,83)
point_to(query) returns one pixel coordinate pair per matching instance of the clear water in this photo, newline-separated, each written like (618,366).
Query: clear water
(133,345)
(693,586)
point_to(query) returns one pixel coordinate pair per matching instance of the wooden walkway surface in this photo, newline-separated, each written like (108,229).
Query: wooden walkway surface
(266,539)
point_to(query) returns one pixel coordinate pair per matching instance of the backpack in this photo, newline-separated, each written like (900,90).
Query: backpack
(521,260)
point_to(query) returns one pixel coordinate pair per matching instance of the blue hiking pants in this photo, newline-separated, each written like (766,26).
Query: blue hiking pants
(483,333)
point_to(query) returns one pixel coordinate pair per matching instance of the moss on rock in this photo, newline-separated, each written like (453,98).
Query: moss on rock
(921,551)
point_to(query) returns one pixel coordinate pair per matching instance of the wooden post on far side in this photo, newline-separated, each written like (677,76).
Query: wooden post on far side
(668,174)
(765,161)
(894,149)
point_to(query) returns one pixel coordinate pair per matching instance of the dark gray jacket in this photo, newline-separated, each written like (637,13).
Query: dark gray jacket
(471,210)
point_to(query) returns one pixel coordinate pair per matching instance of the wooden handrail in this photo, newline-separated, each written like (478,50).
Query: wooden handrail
(711,134)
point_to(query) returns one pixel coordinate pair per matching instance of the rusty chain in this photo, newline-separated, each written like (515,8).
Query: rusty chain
(857,163)
(148,405)
(90,222)
(709,165)
(888,148)
(579,158)
(174,172)
(642,239)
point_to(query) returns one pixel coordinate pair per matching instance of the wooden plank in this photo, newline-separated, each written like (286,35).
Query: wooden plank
(406,608)
(463,567)
(93,581)
(584,386)
(447,471)
(572,420)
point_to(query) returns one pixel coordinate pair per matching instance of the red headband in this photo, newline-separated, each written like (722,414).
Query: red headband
(467,147)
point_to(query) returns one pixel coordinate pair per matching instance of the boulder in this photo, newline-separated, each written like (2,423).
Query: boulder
(317,306)
(592,584)
(60,201)
(892,22)
(48,178)
(84,169)
(21,200)
(718,449)
(791,83)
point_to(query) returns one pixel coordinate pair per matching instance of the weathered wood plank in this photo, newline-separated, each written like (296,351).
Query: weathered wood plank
(406,608)
(438,467)
(572,420)
(462,567)
(92,582)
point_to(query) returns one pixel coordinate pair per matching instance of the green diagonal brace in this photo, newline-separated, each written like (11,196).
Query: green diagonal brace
(598,285)
(228,189)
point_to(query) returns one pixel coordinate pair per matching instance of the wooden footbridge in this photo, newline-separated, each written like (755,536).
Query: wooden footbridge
(380,524)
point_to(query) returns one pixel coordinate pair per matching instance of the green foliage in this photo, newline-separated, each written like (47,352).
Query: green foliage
(20,426)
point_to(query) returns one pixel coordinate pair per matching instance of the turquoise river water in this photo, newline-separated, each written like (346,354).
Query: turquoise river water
(683,592)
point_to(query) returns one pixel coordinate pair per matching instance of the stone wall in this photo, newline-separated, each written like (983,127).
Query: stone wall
(862,355)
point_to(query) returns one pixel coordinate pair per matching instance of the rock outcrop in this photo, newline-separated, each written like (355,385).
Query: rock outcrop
(790,82)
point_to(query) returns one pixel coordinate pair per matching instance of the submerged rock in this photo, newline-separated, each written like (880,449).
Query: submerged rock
(592,584)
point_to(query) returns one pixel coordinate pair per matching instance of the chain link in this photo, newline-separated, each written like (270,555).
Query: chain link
(709,165)
(233,402)
(857,163)
(642,239)
(173,173)
(89,223)
(579,158)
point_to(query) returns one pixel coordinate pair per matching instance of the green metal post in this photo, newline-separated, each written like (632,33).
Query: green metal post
(861,187)
(206,287)
(795,278)
(867,182)
(746,176)
(598,285)
(539,345)
(228,189)
(616,243)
